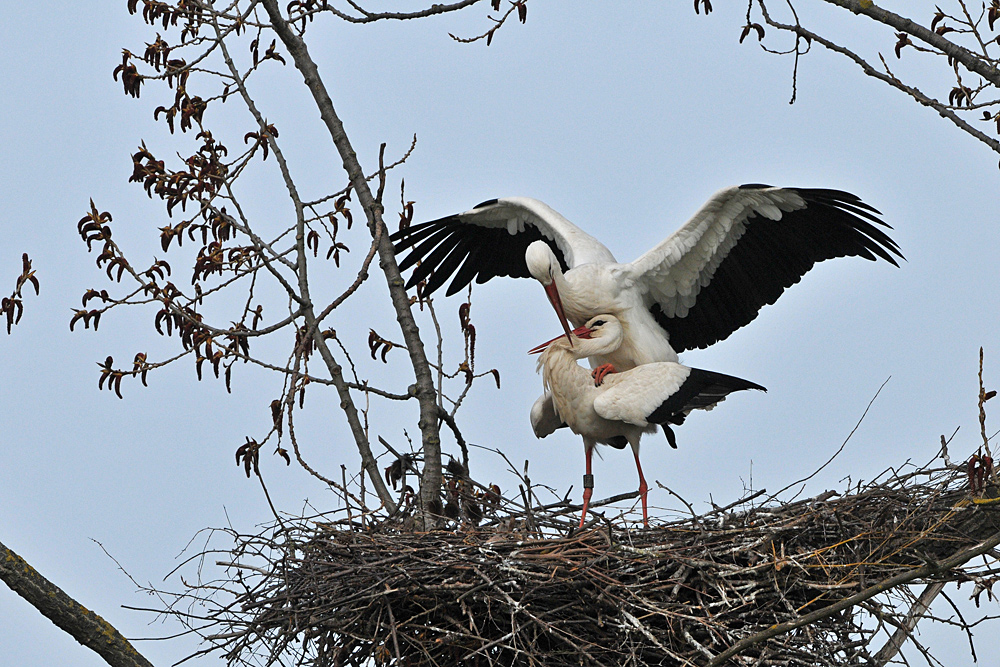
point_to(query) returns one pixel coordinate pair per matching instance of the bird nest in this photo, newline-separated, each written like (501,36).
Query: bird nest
(822,581)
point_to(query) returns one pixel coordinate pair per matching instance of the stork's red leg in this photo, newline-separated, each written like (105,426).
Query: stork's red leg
(643,489)
(588,484)
(600,372)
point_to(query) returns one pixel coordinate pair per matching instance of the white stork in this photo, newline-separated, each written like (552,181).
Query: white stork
(625,405)
(702,283)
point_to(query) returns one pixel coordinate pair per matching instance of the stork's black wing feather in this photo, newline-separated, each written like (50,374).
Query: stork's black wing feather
(701,390)
(466,248)
(772,255)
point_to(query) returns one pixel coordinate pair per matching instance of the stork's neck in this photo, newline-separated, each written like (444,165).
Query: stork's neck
(562,375)
(558,358)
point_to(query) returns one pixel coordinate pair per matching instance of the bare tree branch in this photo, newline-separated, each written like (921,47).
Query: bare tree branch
(972,62)
(425,393)
(943,109)
(312,322)
(905,631)
(69,615)
(370,17)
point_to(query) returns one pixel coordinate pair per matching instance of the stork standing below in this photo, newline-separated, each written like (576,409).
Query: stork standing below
(702,283)
(625,405)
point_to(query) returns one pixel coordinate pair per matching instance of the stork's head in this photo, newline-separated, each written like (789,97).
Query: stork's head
(601,335)
(542,262)
(544,267)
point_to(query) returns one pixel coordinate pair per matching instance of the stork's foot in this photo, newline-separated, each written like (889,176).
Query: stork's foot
(600,372)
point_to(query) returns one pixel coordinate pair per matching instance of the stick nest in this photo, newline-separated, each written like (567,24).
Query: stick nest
(319,593)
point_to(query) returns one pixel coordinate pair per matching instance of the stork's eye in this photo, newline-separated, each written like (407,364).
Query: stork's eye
(598,323)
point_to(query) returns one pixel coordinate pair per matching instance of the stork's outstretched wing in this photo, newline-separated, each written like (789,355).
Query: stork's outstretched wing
(489,241)
(742,249)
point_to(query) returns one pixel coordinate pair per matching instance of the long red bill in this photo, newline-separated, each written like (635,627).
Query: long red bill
(553,294)
(579,332)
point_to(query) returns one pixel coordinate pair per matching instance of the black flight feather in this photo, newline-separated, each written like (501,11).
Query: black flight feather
(701,389)
(773,255)
(450,247)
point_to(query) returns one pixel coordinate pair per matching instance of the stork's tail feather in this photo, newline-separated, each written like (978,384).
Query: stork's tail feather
(701,391)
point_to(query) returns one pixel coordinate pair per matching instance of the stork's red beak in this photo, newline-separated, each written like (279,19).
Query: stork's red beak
(553,294)
(579,332)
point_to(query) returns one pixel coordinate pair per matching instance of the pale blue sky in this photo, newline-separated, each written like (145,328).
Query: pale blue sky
(625,121)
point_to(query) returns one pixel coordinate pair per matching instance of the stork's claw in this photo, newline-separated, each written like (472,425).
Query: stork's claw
(600,372)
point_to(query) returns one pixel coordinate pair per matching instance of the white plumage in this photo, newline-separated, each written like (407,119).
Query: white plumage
(633,395)
(704,281)
(625,405)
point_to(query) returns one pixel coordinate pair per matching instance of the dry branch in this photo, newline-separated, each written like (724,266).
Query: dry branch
(69,615)
(959,42)
(427,397)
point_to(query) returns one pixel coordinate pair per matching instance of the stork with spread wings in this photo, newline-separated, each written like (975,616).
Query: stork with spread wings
(699,285)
